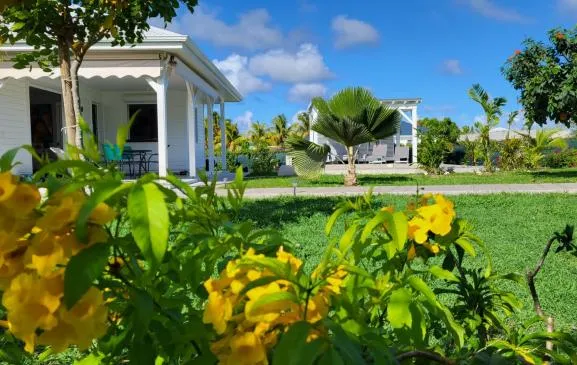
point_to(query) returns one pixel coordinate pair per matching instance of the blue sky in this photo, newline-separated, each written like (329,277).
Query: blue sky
(281,53)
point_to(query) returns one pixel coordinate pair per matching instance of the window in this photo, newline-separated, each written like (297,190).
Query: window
(144,128)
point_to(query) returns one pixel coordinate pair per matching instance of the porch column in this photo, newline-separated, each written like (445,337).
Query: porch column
(414,129)
(160,86)
(222,136)
(398,137)
(210,137)
(200,140)
(191,128)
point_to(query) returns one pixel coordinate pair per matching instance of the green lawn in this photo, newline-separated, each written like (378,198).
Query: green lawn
(515,228)
(544,176)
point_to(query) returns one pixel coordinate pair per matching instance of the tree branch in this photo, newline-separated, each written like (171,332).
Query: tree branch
(433,356)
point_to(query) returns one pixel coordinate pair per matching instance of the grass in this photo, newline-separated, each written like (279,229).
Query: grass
(505,177)
(514,226)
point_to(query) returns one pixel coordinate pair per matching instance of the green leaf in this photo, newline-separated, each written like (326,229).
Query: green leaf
(443,274)
(101,192)
(17,26)
(466,245)
(372,224)
(398,311)
(149,221)
(272,298)
(123,132)
(349,349)
(331,357)
(348,239)
(333,219)
(7,159)
(258,282)
(63,165)
(82,270)
(293,348)
(143,312)
(398,228)
(92,359)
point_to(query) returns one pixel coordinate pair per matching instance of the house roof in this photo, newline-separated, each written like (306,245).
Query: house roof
(163,41)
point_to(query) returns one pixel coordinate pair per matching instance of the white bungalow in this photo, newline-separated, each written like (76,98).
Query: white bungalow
(166,77)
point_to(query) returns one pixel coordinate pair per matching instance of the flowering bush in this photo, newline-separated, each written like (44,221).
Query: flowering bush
(156,272)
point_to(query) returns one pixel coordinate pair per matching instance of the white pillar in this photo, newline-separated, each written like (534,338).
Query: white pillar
(210,137)
(160,86)
(200,139)
(398,136)
(191,128)
(222,136)
(414,129)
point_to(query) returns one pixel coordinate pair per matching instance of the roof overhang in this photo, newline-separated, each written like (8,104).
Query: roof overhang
(139,60)
(402,102)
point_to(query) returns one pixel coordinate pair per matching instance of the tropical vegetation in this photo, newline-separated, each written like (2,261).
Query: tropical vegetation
(437,139)
(121,265)
(353,116)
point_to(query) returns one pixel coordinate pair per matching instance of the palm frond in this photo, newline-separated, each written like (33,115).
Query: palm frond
(308,158)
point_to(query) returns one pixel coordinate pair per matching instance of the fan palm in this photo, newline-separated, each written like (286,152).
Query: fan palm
(493,109)
(352,117)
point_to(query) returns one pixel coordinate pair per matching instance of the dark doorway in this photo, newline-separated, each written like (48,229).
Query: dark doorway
(95,121)
(45,121)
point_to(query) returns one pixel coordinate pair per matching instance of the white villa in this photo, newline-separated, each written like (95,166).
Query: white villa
(406,135)
(173,84)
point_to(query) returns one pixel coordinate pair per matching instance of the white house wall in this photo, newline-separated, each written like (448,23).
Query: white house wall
(15,121)
(114,112)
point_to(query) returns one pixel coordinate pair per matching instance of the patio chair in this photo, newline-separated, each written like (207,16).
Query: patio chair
(402,155)
(378,155)
(112,155)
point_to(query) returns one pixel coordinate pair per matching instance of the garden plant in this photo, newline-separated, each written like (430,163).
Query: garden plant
(156,272)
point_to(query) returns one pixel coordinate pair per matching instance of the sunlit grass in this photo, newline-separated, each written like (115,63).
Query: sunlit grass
(515,228)
(532,177)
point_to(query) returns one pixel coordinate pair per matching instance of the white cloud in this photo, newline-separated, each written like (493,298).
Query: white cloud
(306,65)
(244,121)
(305,92)
(350,32)
(489,9)
(235,68)
(252,30)
(452,67)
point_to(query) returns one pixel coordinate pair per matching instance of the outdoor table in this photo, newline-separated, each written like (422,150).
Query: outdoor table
(134,156)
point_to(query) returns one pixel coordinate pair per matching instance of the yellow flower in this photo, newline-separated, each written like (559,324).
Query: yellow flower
(317,308)
(218,311)
(411,253)
(247,348)
(45,254)
(62,212)
(8,185)
(286,257)
(12,252)
(31,303)
(266,313)
(335,280)
(419,229)
(102,214)
(23,200)
(435,249)
(80,325)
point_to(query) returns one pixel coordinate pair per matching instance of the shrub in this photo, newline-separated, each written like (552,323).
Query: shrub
(263,161)
(512,154)
(560,159)
(437,141)
(132,272)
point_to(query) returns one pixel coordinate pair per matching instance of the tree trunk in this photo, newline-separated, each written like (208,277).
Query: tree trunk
(351,176)
(76,99)
(67,97)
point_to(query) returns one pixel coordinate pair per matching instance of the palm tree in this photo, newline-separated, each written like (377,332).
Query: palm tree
(303,127)
(544,140)
(280,131)
(258,133)
(493,108)
(352,117)
(510,121)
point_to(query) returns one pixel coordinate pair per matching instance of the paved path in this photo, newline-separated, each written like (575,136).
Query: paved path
(409,190)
